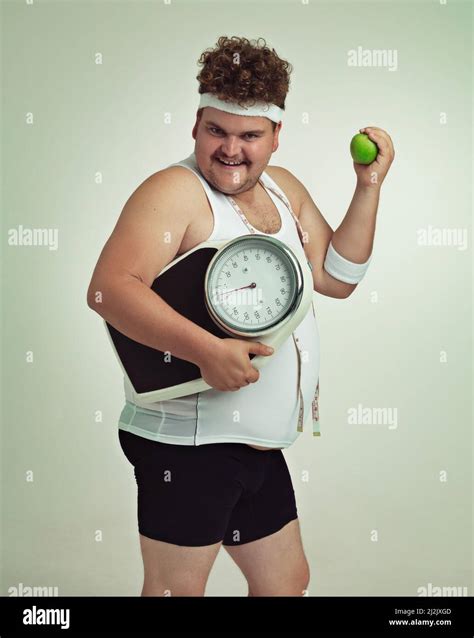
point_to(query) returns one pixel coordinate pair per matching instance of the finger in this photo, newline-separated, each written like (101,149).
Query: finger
(382,143)
(259,348)
(253,376)
(380,131)
(371,128)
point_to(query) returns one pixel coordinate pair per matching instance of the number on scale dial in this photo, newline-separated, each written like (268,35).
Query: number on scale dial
(252,285)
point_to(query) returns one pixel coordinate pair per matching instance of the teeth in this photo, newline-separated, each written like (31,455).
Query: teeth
(231,163)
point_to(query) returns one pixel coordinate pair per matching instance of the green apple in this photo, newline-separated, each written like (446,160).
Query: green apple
(363,150)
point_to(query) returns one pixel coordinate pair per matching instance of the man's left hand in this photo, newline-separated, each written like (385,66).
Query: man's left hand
(372,175)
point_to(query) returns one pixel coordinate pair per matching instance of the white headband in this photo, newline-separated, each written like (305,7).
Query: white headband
(260,109)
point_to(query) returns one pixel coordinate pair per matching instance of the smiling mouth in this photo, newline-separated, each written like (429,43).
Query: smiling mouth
(225,165)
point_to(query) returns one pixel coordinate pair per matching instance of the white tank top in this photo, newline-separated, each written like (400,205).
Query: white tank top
(269,412)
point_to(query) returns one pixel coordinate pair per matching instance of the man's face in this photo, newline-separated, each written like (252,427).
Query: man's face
(233,138)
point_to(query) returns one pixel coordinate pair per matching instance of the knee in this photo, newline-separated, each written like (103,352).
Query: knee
(185,588)
(305,578)
(288,584)
(301,580)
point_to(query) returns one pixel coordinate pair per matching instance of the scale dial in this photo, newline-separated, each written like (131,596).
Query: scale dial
(253,284)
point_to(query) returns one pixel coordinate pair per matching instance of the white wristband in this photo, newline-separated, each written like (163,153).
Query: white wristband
(342,269)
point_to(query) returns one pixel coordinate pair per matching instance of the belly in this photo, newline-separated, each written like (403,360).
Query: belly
(263,415)
(308,335)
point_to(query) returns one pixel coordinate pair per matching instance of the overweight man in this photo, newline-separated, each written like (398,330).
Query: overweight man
(204,477)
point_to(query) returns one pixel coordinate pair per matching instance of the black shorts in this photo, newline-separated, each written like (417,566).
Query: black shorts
(200,495)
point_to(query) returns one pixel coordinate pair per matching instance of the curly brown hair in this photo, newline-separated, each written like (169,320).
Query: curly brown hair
(244,71)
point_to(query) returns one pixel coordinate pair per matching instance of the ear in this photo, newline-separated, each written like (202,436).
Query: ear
(275,136)
(195,127)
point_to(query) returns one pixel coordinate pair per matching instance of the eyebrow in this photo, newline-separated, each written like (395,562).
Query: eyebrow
(255,131)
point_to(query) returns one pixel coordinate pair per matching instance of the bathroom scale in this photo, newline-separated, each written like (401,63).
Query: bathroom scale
(251,287)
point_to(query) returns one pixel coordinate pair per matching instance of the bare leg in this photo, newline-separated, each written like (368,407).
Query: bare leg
(275,565)
(174,570)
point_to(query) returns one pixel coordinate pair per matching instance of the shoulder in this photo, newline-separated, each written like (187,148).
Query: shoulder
(289,184)
(175,187)
(170,199)
(173,176)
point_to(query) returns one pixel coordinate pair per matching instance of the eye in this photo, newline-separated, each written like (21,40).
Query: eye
(215,130)
(251,135)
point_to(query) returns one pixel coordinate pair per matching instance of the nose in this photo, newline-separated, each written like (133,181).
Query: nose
(231,146)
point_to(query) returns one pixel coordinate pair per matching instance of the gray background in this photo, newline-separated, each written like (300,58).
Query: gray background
(401,341)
